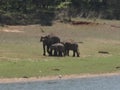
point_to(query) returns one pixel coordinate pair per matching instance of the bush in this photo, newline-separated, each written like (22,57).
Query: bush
(41,17)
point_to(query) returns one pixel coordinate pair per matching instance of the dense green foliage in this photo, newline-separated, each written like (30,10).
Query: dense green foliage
(45,11)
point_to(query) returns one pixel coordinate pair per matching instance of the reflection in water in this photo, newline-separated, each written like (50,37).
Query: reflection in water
(96,83)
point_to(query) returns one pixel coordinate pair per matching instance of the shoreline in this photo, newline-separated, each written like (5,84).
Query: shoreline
(59,77)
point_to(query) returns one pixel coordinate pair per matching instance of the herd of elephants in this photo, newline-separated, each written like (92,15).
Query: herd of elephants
(54,47)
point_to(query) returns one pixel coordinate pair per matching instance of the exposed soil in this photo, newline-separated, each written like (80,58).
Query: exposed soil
(59,77)
(13,31)
(82,23)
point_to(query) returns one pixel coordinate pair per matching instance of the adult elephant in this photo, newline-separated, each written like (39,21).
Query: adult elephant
(58,48)
(48,41)
(71,46)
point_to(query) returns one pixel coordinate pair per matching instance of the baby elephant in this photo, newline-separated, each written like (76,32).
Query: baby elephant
(58,48)
(71,46)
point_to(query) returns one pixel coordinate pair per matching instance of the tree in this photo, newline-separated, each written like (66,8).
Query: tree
(65,10)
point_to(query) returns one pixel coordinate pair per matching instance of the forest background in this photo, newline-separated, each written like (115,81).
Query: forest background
(44,12)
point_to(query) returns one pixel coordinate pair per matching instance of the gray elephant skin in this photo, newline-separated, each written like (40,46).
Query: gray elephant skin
(58,48)
(48,41)
(72,46)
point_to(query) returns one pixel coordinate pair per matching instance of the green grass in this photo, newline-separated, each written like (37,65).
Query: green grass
(21,52)
(65,66)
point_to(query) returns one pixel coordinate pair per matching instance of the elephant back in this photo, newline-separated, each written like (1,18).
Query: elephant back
(50,39)
(70,45)
(53,40)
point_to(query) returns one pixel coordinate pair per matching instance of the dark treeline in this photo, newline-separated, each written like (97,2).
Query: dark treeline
(45,11)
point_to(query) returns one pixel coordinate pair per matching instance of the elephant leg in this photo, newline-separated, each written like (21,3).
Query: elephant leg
(64,53)
(78,54)
(60,53)
(55,53)
(44,52)
(73,53)
(49,51)
(67,52)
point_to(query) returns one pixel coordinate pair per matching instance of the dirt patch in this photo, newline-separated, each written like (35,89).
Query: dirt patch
(115,26)
(13,31)
(59,77)
(82,23)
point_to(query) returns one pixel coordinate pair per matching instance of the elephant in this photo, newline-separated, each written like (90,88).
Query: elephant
(58,48)
(71,46)
(48,40)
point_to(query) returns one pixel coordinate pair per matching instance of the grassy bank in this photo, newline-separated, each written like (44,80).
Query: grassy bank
(61,66)
(21,51)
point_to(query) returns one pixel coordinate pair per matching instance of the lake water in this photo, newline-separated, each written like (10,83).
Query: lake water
(96,83)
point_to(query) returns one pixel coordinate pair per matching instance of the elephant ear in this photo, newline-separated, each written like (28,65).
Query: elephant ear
(42,38)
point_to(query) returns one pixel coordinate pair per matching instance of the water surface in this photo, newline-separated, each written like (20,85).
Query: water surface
(96,83)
